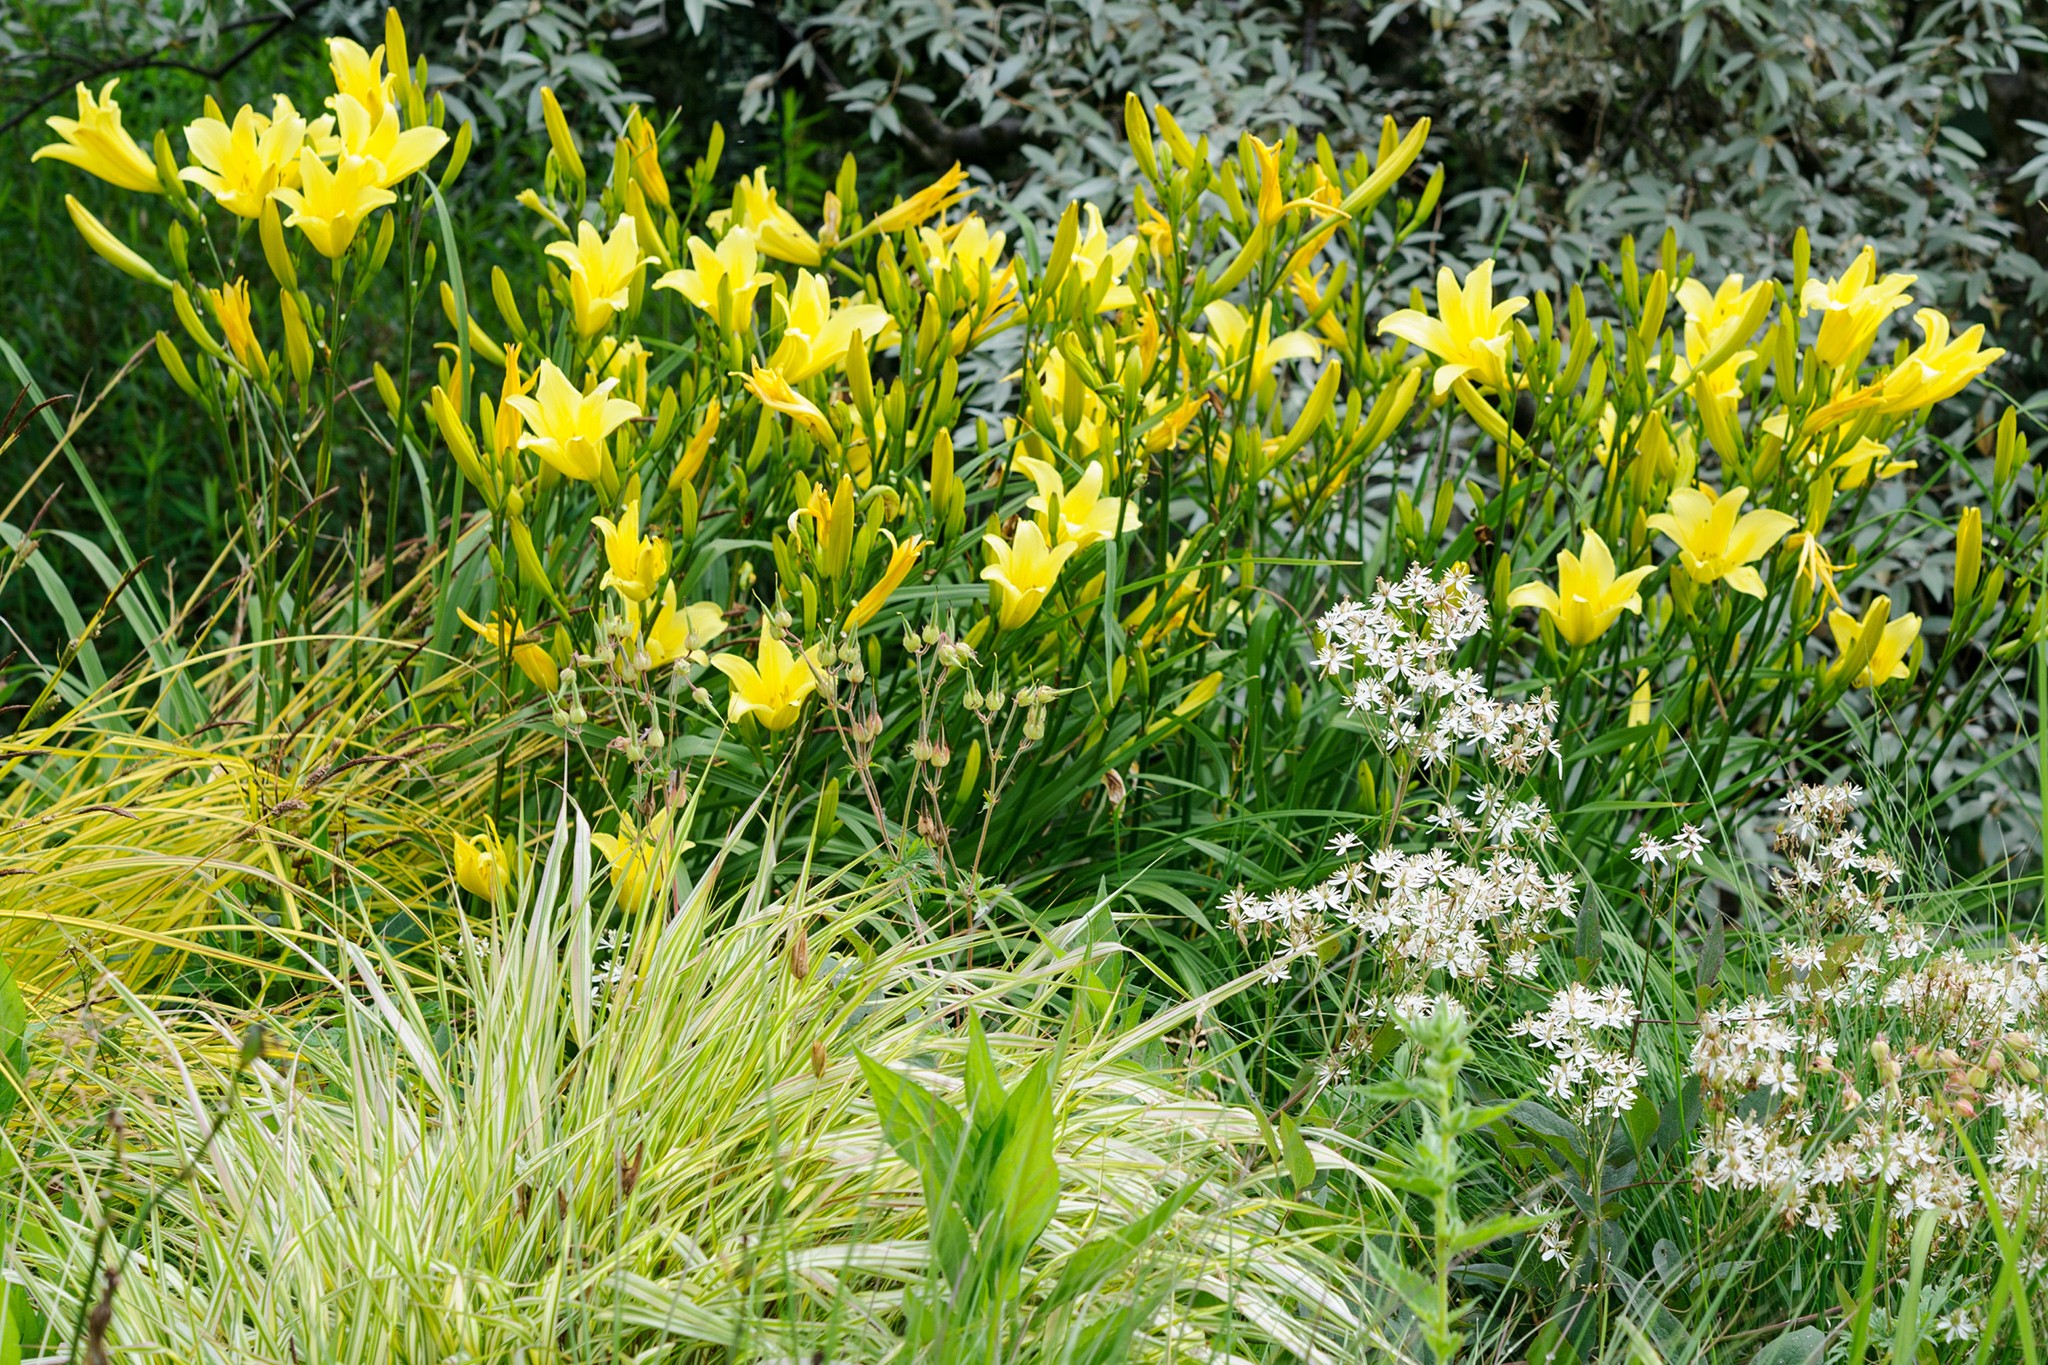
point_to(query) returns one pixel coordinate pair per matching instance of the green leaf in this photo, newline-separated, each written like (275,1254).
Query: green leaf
(13,1042)
(1096,1261)
(1024,1180)
(1301,1163)
(1474,1235)
(1800,1346)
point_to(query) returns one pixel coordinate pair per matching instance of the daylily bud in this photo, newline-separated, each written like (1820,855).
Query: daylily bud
(1969,555)
(110,248)
(558,136)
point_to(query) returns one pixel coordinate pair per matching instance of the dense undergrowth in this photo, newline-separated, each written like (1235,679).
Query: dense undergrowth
(910,783)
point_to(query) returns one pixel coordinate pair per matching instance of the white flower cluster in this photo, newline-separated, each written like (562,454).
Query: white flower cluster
(1593,1075)
(1799,1113)
(1476,902)
(1395,656)
(1432,911)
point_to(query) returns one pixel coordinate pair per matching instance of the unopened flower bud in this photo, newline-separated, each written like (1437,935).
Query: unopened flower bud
(700,695)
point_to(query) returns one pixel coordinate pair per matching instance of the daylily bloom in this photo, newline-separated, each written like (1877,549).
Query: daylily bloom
(772,687)
(230,307)
(902,558)
(566,426)
(1852,307)
(1085,516)
(678,633)
(601,272)
(1095,255)
(358,75)
(780,235)
(933,198)
(1589,596)
(1470,337)
(1938,368)
(816,335)
(480,863)
(1024,571)
(97,144)
(1889,660)
(777,394)
(240,164)
(640,858)
(1867,457)
(373,137)
(734,263)
(1729,303)
(637,565)
(329,205)
(1717,540)
(1263,352)
(532,660)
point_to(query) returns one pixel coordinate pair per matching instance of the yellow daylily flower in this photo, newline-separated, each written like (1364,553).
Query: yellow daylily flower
(480,867)
(230,307)
(636,565)
(780,236)
(1852,306)
(1729,303)
(358,75)
(1023,572)
(329,205)
(1085,516)
(1589,596)
(601,272)
(640,858)
(1095,256)
(1867,457)
(374,138)
(1936,369)
(936,197)
(902,558)
(678,633)
(568,427)
(1235,340)
(772,687)
(1717,540)
(1888,662)
(97,144)
(734,263)
(1470,337)
(777,394)
(240,164)
(532,660)
(816,335)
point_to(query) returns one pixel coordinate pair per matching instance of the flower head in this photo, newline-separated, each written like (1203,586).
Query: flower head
(778,395)
(97,144)
(602,271)
(721,280)
(373,137)
(240,164)
(772,688)
(480,863)
(230,307)
(329,205)
(678,633)
(1852,306)
(1936,369)
(532,660)
(359,75)
(1855,465)
(1888,659)
(1717,540)
(637,565)
(816,335)
(1023,572)
(936,197)
(902,558)
(1470,335)
(640,858)
(1589,596)
(566,426)
(780,235)
(1235,340)
(1096,258)
(1085,516)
